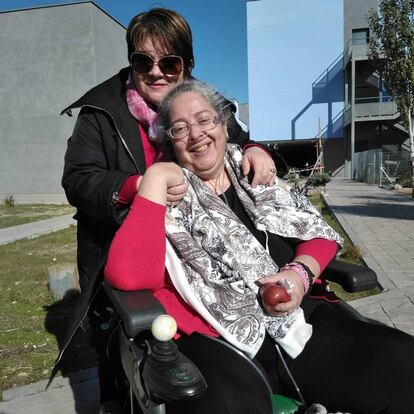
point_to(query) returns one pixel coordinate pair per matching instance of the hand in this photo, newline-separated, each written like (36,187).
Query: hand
(296,293)
(162,182)
(262,164)
(176,193)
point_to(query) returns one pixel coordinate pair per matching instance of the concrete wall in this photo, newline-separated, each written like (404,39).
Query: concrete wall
(50,57)
(355,15)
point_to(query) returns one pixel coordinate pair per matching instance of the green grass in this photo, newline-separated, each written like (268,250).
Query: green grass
(27,350)
(27,213)
(351,253)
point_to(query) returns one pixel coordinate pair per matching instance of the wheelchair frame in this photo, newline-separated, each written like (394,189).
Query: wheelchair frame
(135,311)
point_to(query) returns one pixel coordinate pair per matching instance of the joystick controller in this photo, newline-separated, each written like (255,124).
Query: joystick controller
(169,375)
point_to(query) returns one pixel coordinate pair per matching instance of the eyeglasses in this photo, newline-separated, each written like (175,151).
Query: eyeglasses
(170,65)
(182,129)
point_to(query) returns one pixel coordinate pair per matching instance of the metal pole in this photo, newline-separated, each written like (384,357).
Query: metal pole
(352,115)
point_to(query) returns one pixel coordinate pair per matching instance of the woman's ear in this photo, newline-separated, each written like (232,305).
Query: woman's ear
(189,69)
(226,125)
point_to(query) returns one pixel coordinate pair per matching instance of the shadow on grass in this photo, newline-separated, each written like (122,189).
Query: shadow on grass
(80,355)
(95,344)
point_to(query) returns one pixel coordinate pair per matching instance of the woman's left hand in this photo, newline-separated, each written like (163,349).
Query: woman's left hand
(296,293)
(261,162)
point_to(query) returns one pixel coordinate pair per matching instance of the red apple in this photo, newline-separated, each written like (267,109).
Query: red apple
(273,293)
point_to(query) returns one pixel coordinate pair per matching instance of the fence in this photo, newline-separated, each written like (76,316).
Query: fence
(383,166)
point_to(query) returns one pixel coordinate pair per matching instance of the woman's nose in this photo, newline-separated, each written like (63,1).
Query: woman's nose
(155,70)
(195,132)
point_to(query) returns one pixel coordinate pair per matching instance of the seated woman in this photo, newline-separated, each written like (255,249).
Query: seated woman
(224,240)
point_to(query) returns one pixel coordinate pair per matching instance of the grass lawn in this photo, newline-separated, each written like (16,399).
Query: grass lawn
(350,253)
(27,350)
(27,213)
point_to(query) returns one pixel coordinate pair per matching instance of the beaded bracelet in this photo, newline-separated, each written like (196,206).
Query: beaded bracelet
(304,273)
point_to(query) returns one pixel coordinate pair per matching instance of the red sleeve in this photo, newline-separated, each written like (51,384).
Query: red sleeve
(129,190)
(136,258)
(322,250)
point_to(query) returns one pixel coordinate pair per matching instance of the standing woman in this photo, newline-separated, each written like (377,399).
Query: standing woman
(112,146)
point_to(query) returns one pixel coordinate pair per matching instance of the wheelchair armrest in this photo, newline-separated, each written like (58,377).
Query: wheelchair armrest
(136,309)
(352,277)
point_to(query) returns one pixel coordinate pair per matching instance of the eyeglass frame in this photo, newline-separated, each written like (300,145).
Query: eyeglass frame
(216,120)
(156,62)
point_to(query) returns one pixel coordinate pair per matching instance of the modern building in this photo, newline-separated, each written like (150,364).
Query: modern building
(365,134)
(374,135)
(50,57)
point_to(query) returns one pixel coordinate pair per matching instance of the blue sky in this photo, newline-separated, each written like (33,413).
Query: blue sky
(290,44)
(219,35)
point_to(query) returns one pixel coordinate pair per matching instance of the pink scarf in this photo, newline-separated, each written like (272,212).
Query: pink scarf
(139,108)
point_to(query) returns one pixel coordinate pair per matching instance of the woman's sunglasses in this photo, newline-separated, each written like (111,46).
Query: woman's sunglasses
(169,65)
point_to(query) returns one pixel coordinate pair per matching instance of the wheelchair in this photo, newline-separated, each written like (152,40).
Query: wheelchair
(154,370)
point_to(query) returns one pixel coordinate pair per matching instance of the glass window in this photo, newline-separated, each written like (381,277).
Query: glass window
(360,36)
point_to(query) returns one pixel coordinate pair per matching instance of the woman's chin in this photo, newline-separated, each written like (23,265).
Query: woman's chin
(206,172)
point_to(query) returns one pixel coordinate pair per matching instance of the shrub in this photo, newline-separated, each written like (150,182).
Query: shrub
(404,181)
(318,180)
(9,201)
(351,252)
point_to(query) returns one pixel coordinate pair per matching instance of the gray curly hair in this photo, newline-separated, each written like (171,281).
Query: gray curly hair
(221,105)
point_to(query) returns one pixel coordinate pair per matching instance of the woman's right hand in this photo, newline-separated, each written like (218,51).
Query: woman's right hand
(176,193)
(296,292)
(163,182)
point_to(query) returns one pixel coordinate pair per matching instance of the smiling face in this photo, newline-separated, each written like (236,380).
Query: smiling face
(154,85)
(200,152)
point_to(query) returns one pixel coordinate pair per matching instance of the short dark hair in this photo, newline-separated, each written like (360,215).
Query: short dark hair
(165,28)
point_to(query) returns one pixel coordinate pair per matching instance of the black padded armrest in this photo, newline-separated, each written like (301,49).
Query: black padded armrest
(136,309)
(352,277)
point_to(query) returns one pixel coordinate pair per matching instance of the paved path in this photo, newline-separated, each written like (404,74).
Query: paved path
(37,228)
(77,394)
(380,222)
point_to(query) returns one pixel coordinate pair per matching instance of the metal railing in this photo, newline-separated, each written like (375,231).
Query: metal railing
(336,127)
(330,72)
(382,166)
(372,107)
(355,48)
(378,106)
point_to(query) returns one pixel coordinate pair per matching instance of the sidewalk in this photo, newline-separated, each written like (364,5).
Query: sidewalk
(380,222)
(37,228)
(77,394)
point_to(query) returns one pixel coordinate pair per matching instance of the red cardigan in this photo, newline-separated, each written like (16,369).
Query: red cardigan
(137,261)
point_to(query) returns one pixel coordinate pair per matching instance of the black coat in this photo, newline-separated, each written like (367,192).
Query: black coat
(103,151)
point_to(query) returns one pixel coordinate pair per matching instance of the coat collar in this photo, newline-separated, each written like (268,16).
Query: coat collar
(108,95)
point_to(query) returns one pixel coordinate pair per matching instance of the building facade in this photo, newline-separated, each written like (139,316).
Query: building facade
(374,135)
(50,57)
(367,119)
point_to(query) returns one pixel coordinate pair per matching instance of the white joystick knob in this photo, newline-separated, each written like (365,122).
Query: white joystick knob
(164,327)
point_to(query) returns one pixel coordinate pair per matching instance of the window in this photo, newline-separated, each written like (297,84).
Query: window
(360,36)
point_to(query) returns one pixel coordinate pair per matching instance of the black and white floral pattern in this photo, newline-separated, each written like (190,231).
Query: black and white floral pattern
(223,260)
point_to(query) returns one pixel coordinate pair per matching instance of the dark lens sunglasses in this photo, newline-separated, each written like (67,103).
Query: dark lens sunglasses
(169,65)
